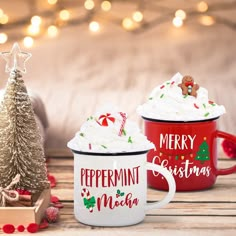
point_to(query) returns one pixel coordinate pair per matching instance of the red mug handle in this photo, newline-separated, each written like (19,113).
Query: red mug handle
(232,138)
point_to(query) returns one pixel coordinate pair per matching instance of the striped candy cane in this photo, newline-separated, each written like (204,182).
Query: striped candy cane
(124,117)
(86,194)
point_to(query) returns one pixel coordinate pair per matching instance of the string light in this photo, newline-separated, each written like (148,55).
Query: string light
(207,20)
(33,30)
(94,26)
(4,19)
(202,6)
(1,12)
(127,23)
(181,14)
(28,42)
(36,20)
(52,2)
(106,6)
(177,22)
(52,31)
(64,15)
(137,16)
(89,4)
(3,38)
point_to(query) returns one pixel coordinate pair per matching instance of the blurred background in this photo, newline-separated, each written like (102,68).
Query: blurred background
(92,52)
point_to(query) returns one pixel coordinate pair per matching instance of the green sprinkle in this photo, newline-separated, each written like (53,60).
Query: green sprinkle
(213,104)
(167,83)
(185,95)
(176,157)
(124,132)
(90,118)
(162,95)
(204,105)
(207,114)
(130,140)
(150,98)
(104,146)
(81,134)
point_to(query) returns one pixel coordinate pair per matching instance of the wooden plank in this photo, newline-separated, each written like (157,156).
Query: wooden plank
(154,222)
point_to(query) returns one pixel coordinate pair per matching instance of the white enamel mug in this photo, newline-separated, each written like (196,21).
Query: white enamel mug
(111,189)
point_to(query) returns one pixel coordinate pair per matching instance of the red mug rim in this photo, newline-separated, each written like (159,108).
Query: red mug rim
(179,121)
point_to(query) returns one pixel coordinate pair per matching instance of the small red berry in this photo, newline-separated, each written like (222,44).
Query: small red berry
(32,228)
(8,228)
(20,228)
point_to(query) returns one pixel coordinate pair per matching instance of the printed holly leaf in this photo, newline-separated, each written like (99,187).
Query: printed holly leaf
(118,191)
(89,202)
(122,194)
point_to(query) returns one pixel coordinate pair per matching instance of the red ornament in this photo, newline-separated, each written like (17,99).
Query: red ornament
(8,228)
(229,148)
(32,228)
(52,214)
(21,228)
(104,119)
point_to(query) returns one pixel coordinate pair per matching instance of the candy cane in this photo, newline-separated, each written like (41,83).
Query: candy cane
(85,193)
(123,115)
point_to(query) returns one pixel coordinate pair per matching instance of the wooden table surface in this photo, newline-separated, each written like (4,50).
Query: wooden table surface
(209,212)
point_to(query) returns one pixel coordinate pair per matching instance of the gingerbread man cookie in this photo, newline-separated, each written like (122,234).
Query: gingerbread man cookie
(188,87)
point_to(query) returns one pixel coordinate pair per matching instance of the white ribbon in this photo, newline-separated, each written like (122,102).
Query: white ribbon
(9,195)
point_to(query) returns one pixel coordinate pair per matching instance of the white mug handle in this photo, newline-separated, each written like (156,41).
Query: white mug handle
(171,182)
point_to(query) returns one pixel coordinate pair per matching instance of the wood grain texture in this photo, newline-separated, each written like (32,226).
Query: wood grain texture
(197,213)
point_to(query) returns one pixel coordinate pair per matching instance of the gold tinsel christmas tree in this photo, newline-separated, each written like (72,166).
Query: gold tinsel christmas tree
(21,150)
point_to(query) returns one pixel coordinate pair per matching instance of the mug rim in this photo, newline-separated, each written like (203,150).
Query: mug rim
(110,153)
(179,121)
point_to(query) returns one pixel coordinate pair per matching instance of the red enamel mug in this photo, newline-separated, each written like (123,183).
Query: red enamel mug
(188,150)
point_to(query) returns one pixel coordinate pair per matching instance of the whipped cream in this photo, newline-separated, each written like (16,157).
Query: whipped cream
(166,102)
(109,131)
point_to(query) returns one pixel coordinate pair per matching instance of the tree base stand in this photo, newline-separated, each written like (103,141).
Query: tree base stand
(26,215)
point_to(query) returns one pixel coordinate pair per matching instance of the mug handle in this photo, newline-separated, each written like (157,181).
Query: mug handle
(232,138)
(171,182)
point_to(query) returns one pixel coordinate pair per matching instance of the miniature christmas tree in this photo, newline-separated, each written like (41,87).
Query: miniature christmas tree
(203,153)
(21,150)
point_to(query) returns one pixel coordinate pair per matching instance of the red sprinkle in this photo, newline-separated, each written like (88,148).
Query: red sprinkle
(90,146)
(172,82)
(162,86)
(210,102)
(195,105)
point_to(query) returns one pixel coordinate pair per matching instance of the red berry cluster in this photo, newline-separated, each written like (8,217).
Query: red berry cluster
(31,228)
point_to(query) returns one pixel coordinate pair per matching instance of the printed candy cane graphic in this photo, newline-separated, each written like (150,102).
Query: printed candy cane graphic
(89,202)
(124,117)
